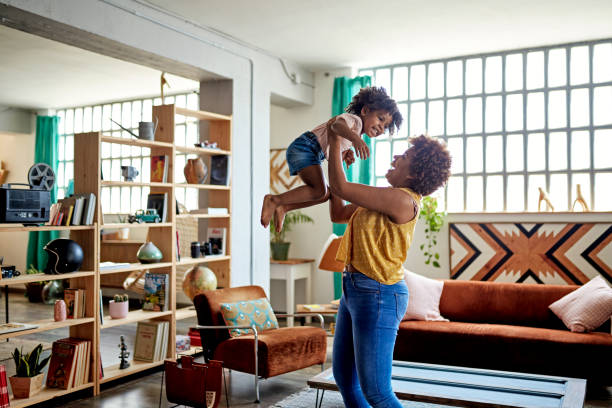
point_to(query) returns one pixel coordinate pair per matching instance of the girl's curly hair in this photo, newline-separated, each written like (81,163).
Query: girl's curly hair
(376,98)
(429,165)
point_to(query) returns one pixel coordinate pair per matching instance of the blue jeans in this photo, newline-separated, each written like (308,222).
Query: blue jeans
(366,328)
(303,152)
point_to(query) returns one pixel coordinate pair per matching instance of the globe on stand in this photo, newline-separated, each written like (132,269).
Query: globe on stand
(197,280)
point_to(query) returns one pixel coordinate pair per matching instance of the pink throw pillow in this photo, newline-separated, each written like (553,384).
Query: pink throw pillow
(586,308)
(424,297)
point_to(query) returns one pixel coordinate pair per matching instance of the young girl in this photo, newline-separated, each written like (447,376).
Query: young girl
(371,112)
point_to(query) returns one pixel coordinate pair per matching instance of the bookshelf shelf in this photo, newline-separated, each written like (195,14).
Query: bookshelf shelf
(201,150)
(136,225)
(19,227)
(206,259)
(48,324)
(202,115)
(135,142)
(45,395)
(203,216)
(134,267)
(202,186)
(133,184)
(185,313)
(133,317)
(113,372)
(37,277)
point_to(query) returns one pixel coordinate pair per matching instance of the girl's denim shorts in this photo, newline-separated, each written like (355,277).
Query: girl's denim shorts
(303,152)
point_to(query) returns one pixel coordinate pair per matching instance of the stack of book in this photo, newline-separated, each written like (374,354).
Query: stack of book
(151,340)
(156,292)
(78,209)
(75,302)
(70,363)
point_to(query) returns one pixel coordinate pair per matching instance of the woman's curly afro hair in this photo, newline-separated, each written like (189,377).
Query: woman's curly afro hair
(376,98)
(429,165)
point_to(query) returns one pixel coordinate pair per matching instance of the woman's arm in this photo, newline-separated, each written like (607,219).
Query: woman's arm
(339,212)
(338,125)
(396,204)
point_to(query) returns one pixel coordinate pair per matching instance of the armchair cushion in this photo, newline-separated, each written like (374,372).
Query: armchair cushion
(256,312)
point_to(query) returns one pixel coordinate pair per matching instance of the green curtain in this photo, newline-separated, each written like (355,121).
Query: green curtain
(361,171)
(45,151)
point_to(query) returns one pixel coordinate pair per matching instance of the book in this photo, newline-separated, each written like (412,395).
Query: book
(148,338)
(210,211)
(156,292)
(101,309)
(159,169)
(77,215)
(216,236)
(90,210)
(72,304)
(61,366)
(219,169)
(159,201)
(104,266)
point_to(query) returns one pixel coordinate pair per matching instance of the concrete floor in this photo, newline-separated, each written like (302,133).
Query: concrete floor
(143,390)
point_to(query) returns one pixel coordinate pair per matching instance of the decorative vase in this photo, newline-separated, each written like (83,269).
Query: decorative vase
(279,250)
(34,291)
(25,387)
(149,253)
(59,310)
(52,291)
(118,310)
(195,171)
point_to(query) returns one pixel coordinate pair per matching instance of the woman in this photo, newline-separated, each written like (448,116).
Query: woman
(381,223)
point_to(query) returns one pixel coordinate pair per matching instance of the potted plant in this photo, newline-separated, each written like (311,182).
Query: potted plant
(118,307)
(34,289)
(278,246)
(29,377)
(434,221)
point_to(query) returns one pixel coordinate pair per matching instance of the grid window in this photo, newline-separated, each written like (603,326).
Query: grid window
(128,114)
(513,121)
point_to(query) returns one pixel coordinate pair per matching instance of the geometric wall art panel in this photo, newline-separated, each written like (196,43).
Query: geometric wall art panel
(545,253)
(280,180)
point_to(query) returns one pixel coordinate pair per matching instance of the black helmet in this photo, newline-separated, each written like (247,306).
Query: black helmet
(65,256)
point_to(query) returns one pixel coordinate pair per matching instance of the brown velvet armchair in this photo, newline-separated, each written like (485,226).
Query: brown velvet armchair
(264,353)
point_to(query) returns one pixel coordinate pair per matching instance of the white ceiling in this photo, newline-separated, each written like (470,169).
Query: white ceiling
(37,73)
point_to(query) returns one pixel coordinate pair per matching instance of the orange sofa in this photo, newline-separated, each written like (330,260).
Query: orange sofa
(507,326)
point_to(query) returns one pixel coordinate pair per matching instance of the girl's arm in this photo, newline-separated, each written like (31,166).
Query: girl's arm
(337,125)
(339,212)
(396,204)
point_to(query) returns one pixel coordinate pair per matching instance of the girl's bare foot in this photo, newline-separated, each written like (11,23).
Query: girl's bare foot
(279,217)
(267,210)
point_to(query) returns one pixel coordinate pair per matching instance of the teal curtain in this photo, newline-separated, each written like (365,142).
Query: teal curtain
(361,171)
(45,151)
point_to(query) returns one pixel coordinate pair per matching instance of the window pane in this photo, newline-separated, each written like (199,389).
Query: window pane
(147,110)
(454,117)
(495,156)
(602,105)
(400,147)
(579,107)
(61,148)
(557,74)
(417,118)
(455,194)
(97,119)
(473,76)
(78,120)
(603,192)
(535,70)
(514,112)
(602,62)
(558,191)
(602,150)
(417,82)
(435,80)
(515,195)
(400,84)
(584,180)
(557,109)
(495,193)
(454,78)
(536,158)
(474,194)
(136,113)
(535,111)
(382,182)
(383,158)
(455,147)
(403,130)
(62,120)
(474,153)
(435,125)
(579,65)
(87,117)
(493,114)
(514,153)
(69,153)
(557,151)
(533,194)
(581,158)
(383,78)
(69,122)
(106,123)
(514,72)
(473,115)
(493,74)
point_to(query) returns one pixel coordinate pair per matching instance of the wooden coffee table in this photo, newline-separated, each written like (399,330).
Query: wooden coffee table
(472,387)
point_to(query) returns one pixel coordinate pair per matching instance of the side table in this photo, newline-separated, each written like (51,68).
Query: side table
(290,271)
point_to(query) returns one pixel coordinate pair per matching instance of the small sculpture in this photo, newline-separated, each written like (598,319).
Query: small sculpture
(163,81)
(124,354)
(59,311)
(129,173)
(580,200)
(544,197)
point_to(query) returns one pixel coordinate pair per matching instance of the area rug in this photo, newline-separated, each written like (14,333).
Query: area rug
(332,399)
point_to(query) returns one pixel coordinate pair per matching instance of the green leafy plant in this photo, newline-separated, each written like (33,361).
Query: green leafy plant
(292,218)
(32,270)
(29,365)
(121,298)
(434,221)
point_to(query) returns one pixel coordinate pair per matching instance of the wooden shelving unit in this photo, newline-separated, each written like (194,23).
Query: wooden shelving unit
(87,179)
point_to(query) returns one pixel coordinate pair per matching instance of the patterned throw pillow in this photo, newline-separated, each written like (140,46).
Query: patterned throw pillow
(257,312)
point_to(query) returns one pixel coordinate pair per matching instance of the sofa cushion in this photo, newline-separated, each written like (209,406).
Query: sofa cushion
(256,312)
(586,308)
(424,297)
(280,351)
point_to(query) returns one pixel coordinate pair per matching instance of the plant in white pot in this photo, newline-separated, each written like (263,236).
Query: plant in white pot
(118,307)
(29,377)
(278,247)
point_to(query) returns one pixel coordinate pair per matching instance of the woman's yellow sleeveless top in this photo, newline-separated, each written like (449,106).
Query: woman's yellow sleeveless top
(375,245)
